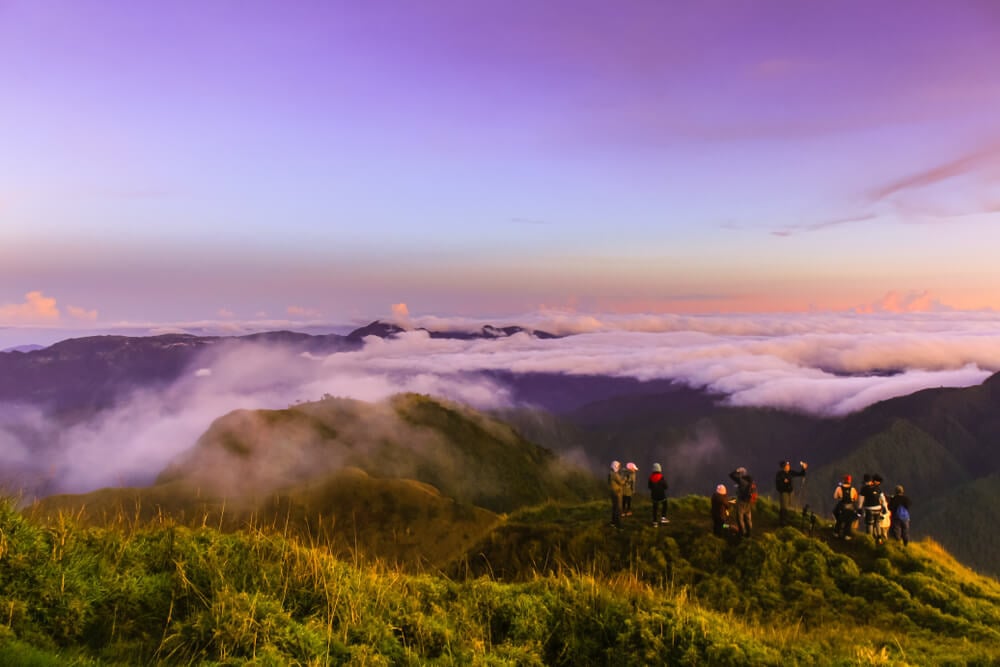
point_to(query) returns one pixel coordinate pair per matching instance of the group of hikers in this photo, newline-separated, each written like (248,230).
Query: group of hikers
(621,483)
(882,516)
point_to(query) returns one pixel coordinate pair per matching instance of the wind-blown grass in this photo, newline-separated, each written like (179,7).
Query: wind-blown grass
(147,592)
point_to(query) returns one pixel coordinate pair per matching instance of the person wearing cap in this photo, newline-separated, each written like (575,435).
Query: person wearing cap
(629,475)
(783,484)
(616,488)
(658,492)
(899,507)
(845,512)
(720,509)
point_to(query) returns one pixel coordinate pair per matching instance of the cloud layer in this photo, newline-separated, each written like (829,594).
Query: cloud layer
(821,364)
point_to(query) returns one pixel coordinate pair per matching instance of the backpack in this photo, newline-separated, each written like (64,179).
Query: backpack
(749,492)
(902,513)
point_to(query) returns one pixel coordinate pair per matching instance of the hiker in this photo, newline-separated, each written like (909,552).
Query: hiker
(616,487)
(899,508)
(720,509)
(658,492)
(746,496)
(873,503)
(783,484)
(629,475)
(845,512)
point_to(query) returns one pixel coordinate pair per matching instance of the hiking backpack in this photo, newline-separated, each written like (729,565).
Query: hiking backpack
(902,513)
(749,492)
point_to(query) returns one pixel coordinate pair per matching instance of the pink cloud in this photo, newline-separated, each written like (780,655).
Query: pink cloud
(910,302)
(300,311)
(37,308)
(82,313)
(400,311)
(978,160)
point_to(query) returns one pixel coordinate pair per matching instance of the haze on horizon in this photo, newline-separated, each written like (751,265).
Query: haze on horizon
(260,162)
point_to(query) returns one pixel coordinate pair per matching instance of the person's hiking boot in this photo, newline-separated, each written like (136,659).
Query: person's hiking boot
(664,520)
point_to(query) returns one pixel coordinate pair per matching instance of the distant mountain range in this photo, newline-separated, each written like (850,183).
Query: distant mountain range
(23,348)
(83,375)
(943,445)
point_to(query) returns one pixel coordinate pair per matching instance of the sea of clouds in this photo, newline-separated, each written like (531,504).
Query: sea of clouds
(817,363)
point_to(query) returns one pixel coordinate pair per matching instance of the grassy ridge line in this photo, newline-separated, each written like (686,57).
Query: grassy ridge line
(398,521)
(468,456)
(141,593)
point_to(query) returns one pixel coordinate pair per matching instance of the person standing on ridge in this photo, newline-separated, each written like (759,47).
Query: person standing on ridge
(845,511)
(616,487)
(630,470)
(658,492)
(720,509)
(746,496)
(783,484)
(873,503)
(899,507)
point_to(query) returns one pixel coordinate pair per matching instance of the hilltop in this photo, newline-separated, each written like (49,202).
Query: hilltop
(940,444)
(418,530)
(409,480)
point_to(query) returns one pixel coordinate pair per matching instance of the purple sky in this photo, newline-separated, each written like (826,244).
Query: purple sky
(322,161)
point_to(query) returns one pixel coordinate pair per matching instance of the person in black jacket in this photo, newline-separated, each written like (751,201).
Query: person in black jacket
(846,511)
(658,492)
(899,507)
(745,491)
(783,484)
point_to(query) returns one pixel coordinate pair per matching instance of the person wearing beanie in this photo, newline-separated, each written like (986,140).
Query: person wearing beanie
(720,509)
(616,488)
(629,475)
(658,492)
(783,485)
(845,512)
(899,508)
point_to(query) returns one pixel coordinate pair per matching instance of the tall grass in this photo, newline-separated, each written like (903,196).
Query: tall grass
(152,591)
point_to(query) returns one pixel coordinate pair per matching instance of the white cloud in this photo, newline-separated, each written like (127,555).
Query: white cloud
(823,364)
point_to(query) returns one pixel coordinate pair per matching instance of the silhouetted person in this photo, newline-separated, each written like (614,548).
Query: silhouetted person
(783,484)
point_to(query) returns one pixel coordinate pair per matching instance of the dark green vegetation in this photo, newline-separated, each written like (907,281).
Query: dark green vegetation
(414,480)
(551,584)
(314,536)
(942,445)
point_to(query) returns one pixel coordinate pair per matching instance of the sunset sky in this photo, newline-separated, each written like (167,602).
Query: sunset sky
(322,161)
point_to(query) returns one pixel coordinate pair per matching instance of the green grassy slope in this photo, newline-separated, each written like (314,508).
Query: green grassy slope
(563,591)
(463,453)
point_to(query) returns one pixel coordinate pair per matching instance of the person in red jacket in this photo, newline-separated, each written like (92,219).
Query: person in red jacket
(658,492)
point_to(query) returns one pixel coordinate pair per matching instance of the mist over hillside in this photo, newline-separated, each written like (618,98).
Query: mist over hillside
(100,411)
